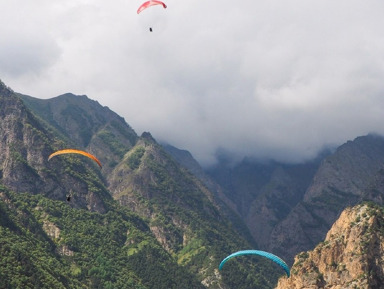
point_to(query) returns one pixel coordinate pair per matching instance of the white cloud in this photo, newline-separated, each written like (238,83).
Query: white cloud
(267,78)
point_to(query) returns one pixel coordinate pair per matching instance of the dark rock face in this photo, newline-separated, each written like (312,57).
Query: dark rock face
(85,124)
(289,208)
(25,145)
(342,180)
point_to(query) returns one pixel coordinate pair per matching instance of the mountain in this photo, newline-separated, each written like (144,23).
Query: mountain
(343,179)
(142,221)
(186,160)
(89,242)
(289,208)
(264,193)
(351,256)
(25,146)
(152,217)
(84,123)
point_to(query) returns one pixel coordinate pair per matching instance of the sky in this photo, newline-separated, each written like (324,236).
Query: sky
(265,79)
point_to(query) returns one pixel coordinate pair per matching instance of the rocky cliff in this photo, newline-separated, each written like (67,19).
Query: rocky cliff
(25,146)
(351,256)
(86,124)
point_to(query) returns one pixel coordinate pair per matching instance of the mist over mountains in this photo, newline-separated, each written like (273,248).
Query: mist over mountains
(289,208)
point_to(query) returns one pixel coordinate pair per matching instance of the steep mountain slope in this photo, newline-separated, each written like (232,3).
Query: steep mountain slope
(25,146)
(344,178)
(86,124)
(172,230)
(184,215)
(264,193)
(351,255)
(186,160)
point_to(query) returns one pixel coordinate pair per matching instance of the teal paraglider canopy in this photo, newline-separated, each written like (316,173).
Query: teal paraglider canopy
(270,256)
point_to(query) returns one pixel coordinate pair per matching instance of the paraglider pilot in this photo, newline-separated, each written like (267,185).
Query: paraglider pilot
(150,29)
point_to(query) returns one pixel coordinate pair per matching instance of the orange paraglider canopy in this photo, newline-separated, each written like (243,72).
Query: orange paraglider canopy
(74,151)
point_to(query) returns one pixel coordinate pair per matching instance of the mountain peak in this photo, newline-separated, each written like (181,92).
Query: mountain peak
(147,136)
(4,90)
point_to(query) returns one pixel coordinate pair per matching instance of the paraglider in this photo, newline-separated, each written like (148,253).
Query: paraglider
(147,4)
(150,3)
(74,151)
(270,256)
(69,196)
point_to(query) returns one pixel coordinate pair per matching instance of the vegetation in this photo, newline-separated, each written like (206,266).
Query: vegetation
(91,250)
(113,143)
(135,156)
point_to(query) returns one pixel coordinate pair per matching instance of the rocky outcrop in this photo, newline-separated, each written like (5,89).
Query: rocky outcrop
(25,145)
(351,256)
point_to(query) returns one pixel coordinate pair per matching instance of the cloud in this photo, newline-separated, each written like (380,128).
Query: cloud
(269,79)
(25,47)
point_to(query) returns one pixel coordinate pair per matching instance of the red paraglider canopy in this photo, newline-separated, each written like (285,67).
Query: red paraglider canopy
(147,4)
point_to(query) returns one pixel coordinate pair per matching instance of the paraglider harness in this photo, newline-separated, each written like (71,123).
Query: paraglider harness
(69,196)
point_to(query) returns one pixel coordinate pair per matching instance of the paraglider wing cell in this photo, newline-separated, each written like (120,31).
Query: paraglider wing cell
(270,256)
(147,4)
(74,151)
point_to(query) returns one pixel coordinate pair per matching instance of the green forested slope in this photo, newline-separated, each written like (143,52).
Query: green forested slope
(48,244)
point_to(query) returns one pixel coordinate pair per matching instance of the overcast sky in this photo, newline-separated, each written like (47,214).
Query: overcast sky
(263,78)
